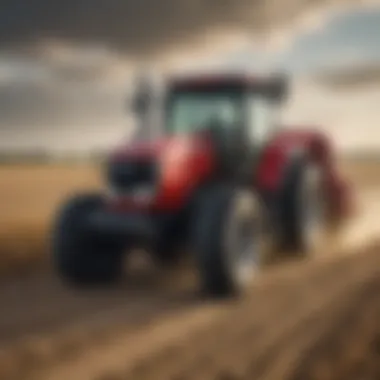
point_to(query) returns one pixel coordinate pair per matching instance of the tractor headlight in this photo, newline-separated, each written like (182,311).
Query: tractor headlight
(134,179)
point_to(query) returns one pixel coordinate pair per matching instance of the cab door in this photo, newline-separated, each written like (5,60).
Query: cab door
(261,119)
(261,125)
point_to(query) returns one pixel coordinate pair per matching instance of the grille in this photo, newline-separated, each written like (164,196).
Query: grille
(128,176)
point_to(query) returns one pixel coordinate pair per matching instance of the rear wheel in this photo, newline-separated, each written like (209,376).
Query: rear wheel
(228,239)
(303,208)
(80,255)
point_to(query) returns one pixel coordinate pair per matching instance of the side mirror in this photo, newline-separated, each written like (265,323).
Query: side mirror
(139,104)
(279,88)
(141,96)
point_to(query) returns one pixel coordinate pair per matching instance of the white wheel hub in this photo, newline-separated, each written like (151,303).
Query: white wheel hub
(243,238)
(312,208)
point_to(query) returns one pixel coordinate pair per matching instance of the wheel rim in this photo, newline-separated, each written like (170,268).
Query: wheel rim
(243,237)
(247,260)
(312,210)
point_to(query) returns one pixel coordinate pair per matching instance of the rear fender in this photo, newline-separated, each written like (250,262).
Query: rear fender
(287,146)
(281,152)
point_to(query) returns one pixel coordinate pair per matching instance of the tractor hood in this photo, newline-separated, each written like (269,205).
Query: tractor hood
(182,161)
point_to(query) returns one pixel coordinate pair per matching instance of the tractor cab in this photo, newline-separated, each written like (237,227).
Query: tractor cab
(232,106)
(238,113)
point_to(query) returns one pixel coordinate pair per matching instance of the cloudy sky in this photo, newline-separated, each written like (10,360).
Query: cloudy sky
(68,97)
(350,38)
(345,38)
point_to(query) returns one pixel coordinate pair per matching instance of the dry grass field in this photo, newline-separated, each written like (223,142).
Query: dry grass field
(30,194)
(362,172)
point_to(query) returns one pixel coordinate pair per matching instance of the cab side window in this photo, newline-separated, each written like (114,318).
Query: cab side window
(260,119)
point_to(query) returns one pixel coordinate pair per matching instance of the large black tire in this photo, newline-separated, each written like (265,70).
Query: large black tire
(220,213)
(82,256)
(301,198)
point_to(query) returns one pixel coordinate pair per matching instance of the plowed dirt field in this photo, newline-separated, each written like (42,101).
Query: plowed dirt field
(301,320)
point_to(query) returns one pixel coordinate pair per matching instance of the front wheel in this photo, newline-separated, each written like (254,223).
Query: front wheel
(80,255)
(228,239)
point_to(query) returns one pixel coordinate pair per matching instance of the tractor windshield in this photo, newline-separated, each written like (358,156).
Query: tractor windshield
(192,111)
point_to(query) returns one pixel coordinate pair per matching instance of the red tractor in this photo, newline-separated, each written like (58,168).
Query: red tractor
(219,177)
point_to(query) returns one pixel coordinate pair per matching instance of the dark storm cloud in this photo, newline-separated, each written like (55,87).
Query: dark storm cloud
(133,26)
(136,25)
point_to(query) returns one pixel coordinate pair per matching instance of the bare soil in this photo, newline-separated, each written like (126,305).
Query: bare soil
(300,321)
(314,320)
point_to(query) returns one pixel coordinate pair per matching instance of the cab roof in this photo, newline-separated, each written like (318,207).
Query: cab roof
(218,81)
